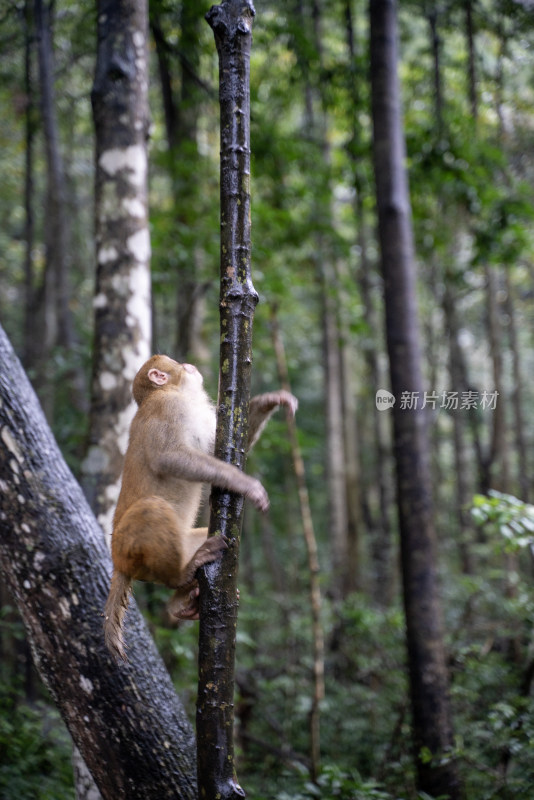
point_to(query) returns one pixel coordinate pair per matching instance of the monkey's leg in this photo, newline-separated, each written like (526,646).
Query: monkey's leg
(184,602)
(200,550)
(150,544)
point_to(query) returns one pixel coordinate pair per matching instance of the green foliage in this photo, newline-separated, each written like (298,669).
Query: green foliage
(331,783)
(511,518)
(35,751)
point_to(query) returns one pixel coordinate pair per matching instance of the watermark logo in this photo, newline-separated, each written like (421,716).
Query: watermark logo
(384,399)
(448,401)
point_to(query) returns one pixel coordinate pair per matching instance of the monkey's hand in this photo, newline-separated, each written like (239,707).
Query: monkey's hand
(263,406)
(257,494)
(288,400)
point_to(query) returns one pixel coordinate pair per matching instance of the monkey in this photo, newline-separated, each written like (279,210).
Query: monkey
(168,459)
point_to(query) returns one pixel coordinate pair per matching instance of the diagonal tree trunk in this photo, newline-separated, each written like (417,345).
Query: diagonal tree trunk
(432,728)
(127,721)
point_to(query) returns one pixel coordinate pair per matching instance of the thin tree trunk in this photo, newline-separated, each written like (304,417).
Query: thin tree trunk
(432,726)
(380,544)
(432,15)
(472,72)
(181,123)
(122,294)
(232,27)
(464,486)
(29,232)
(335,436)
(343,515)
(127,721)
(313,562)
(59,325)
(497,464)
(523,478)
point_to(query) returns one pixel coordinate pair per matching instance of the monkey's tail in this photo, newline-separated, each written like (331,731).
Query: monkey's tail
(116,605)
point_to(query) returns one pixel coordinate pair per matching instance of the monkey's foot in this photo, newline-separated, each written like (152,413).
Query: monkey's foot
(210,551)
(178,608)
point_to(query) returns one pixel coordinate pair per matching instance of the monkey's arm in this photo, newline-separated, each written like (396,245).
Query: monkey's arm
(262,407)
(190,464)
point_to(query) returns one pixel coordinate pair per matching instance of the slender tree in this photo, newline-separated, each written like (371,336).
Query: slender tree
(341,451)
(182,92)
(432,728)
(58,318)
(518,390)
(56,325)
(122,295)
(313,560)
(471,57)
(232,27)
(378,481)
(29,188)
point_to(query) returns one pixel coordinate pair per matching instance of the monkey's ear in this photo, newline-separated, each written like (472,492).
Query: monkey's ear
(158,377)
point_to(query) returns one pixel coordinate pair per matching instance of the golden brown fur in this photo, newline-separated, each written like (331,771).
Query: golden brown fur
(168,459)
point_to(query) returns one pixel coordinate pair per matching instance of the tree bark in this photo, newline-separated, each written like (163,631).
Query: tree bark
(232,26)
(127,721)
(432,727)
(122,295)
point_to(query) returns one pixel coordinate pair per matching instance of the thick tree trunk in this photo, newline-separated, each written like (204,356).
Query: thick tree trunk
(432,728)
(232,27)
(122,295)
(127,721)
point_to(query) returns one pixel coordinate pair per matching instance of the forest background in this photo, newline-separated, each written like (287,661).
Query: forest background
(467,81)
